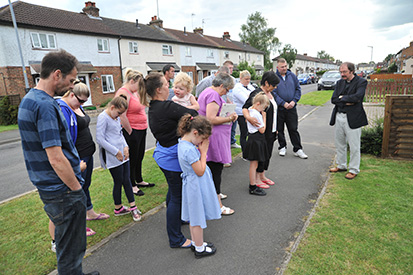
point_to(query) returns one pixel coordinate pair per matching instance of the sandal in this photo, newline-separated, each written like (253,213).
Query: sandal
(89,232)
(101,216)
(268,182)
(226,211)
(223,196)
(262,185)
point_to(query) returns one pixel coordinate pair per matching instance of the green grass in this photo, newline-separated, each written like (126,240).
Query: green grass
(24,235)
(4,128)
(363,226)
(316,98)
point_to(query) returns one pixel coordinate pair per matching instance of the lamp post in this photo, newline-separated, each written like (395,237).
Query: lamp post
(371,59)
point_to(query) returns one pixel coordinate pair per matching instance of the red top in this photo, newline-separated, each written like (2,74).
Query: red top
(136,112)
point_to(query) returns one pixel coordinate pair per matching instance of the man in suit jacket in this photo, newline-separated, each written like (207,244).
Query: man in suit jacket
(348,117)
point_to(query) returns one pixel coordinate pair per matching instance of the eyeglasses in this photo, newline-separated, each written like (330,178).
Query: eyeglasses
(81,101)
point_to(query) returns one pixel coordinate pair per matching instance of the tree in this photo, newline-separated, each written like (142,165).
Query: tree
(260,36)
(392,68)
(289,54)
(243,65)
(324,55)
(388,58)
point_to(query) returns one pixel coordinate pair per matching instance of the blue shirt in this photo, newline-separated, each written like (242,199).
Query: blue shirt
(42,125)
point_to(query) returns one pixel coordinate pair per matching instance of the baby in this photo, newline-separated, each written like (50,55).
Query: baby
(182,88)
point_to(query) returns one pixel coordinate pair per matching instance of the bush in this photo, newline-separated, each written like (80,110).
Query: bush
(90,108)
(8,112)
(372,138)
(105,103)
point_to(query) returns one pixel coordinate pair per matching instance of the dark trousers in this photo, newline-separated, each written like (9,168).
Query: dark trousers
(263,165)
(289,118)
(136,142)
(243,131)
(173,208)
(120,175)
(216,171)
(87,177)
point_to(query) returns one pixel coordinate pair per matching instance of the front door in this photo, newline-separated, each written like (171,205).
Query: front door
(85,79)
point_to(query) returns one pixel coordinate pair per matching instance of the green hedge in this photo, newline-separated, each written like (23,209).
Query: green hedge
(372,138)
(8,112)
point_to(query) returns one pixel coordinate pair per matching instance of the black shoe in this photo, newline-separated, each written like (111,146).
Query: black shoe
(92,273)
(146,185)
(205,253)
(208,245)
(139,193)
(258,191)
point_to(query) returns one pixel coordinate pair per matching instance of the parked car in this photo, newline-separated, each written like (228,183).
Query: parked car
(328,80)
(304,78)
(314,77)
(360,73)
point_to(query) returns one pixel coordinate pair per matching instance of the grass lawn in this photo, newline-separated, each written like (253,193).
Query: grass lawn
(362,226)
(316,98)
(4,128)
(24,235)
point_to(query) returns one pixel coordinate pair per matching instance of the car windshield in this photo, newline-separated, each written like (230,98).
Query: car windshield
(331,74)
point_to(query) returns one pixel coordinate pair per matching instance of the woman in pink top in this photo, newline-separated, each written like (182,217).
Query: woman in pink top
(135,123)
(219,152)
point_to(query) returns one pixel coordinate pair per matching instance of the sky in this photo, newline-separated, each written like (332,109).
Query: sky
(350,30)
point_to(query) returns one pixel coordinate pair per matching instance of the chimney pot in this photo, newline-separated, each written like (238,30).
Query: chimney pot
(90,8)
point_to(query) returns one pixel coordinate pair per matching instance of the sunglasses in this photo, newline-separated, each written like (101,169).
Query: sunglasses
(81,101)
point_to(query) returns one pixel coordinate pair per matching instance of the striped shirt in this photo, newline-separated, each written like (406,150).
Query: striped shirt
(42,125)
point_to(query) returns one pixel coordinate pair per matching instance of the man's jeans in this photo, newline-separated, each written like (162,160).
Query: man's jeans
(67,211)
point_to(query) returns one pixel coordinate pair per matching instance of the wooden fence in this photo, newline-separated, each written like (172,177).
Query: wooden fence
(398,127)
(14,99)
(377,89)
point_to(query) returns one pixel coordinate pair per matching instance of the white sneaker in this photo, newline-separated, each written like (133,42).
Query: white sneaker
(300,153)
(223,196)
(234,145)
(53,248)
(282,151)
(226,165)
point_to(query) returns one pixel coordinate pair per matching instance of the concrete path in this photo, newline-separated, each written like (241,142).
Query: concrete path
(254,239)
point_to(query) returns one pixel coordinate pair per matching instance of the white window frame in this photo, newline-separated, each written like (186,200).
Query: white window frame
(248,57)
(210,53)
(133,47)
(258,57)
(105,46)
(45,41)
(110,86)
(167,49)
(188,51)
(226,54)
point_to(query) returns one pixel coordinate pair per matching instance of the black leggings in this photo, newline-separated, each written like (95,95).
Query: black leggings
(120,175)
(216,170)
(270,145)
(136,142)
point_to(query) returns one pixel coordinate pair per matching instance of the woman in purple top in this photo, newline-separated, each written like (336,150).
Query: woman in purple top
(219,152)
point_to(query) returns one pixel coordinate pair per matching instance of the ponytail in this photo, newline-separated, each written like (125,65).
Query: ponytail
(199,123)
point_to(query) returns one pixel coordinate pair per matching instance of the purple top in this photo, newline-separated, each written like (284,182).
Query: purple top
(219,142)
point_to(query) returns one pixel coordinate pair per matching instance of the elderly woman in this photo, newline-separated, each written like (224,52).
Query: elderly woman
(269,82)
(135,123)
(240,94)
(219,152)
(164,116)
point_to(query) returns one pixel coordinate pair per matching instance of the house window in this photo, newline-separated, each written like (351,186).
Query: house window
(226,54)
(240,57)
(133,47)
(43,41)
(103,45)
(107,84)
(210,53)
(249,57)
(258,57)
(167,50)
(187,51)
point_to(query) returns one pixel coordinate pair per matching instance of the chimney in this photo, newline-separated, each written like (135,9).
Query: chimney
(185,31)
(137,24)
(199,30)
(226,35)
(305,54)
(90,8)
(156,22)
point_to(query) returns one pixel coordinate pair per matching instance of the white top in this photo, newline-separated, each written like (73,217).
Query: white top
(185,101)
(240,94)
(274,121)
(254,113)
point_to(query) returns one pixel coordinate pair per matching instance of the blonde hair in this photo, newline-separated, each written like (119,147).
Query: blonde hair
(244,73)
(262,98)
(119,102)
(79,89)
(137,76)
(185,80)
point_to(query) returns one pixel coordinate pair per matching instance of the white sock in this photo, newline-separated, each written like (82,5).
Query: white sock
(193,243)
(200,248)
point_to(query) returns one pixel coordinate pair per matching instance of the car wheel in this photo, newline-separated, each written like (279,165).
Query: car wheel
(319,88)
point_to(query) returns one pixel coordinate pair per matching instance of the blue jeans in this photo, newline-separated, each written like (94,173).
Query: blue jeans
(233,128)
(87,177)
(67,211)
(173,208)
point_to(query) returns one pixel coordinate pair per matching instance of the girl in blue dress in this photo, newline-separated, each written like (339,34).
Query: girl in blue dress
(199,199)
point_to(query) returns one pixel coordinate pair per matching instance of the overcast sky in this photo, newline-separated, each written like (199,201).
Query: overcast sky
(343,28)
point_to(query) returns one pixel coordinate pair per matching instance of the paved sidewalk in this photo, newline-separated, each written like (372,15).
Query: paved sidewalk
(254,239)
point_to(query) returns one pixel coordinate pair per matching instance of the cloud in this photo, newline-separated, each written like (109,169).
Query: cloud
(392,13)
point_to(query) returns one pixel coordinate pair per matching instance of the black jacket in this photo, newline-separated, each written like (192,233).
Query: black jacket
(356,116)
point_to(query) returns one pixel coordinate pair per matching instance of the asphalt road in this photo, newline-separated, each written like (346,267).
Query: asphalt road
(15,180)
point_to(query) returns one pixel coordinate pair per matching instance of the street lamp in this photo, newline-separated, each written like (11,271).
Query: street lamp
(371,59)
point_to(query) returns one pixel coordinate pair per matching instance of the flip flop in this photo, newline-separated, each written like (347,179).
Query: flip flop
(89,232)
(262,185)
(269,182)
(101,216)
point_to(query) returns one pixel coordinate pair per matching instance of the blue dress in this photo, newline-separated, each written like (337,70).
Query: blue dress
(199,198)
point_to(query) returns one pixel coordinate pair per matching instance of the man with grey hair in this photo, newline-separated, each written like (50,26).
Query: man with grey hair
(207,81)
(348,116)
